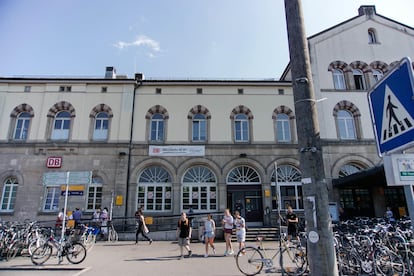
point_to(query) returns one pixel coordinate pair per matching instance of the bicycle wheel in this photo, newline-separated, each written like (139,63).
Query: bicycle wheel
(388,262)
(41,254)
(249,261)
(75,253)
(35,244)
(112,235)
(348,263)
(13,250)
(90,241)
(297,261)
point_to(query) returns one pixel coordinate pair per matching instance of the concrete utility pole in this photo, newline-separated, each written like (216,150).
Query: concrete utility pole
(315,191)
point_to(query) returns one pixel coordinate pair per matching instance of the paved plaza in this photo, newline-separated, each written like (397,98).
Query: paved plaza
(124,258)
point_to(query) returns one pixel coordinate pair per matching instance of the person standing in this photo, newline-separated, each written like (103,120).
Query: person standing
(141,226)
(77,216)
(103,216)
(389,215)
(292,223)
(184,234)
(228,231)
(209,234)
(240,224)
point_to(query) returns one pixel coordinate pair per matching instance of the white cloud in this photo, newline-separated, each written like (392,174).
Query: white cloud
(141,40)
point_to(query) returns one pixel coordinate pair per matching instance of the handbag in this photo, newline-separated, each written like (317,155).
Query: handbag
(145,228)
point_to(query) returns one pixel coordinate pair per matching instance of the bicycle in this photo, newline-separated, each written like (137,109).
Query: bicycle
(251,260)
(74,251)
(112,234)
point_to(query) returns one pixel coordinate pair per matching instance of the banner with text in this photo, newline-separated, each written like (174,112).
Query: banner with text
(176,150)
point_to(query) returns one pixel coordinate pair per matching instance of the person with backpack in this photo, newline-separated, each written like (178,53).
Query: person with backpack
(184,234)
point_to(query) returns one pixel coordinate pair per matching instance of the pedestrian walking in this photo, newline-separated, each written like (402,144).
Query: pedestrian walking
(184,234)
(240,224)
(209,234)
(141,227)
(228,231)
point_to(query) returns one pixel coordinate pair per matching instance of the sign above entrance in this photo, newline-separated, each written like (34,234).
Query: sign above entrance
(392,110)
(176,151)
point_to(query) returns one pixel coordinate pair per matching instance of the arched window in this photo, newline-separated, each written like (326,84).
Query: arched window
(199,128)
(359,79)
(349,169)
(154,190)
(61,126)
(243,175)
(100,132)
(283,128)
(287,188)
(241,128)
(94,194)
(21,129)
(372,36)
(8,198)
(338,79)
(346,125)
(157,128)
(199,189)
(377,74)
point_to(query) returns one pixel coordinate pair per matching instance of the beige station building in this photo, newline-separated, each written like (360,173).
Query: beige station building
(170,145)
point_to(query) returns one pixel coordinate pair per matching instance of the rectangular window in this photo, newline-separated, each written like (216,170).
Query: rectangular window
(154,198)
(199,130)
(241,131)
(8,198)
(27,88)
(94,197)
(158,90)
(51,198)
(199,90)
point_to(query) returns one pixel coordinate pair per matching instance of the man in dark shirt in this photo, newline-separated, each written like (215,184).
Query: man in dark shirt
(184,234)
(292,223)
(77,216)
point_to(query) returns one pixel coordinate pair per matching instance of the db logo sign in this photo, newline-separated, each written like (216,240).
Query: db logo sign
(54,162)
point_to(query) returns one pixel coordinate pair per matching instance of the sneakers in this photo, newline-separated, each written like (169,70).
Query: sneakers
(214,251)
(231,252)
(181,257)
(205,255)
(225,253)
(150,241)
(190,253)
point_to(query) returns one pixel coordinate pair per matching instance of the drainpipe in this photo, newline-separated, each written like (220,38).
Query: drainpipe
(137,84)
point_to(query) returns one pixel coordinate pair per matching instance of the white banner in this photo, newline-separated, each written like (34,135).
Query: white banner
(399,169)
(176,151)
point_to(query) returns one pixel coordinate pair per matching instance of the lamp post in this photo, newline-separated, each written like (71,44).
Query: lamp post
(315,191)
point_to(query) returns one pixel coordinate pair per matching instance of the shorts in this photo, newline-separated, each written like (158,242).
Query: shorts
(228,230)
(241,236)
(209,235)
(183,241)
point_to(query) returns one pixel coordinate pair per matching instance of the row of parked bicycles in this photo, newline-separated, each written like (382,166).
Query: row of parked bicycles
(39,242)
(366,246)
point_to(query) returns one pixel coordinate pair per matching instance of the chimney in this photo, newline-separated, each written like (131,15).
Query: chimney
(139,77)
(110,72)
(367,10)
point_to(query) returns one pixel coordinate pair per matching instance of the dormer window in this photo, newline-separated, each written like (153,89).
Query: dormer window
(372,36)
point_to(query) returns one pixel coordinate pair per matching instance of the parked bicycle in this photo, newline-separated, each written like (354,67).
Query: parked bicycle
(251,260)
(74,251)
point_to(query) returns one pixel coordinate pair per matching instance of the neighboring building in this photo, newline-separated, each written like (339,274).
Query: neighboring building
(168,145)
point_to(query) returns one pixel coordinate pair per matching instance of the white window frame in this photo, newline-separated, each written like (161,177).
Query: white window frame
(199,190)
(287,177)
(359,79)
(61,132)
(101,126)
(157,128)
(241,128)
(8,197)
(51,198)
(377,74)
(283,133)
(154,191)
(338,79)
(94,197)
(346,125)
(198,127)
(21,129)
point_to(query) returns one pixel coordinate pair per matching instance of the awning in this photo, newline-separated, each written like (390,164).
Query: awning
(369,177)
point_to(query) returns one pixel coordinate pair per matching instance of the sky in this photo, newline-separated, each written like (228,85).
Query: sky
(163,39)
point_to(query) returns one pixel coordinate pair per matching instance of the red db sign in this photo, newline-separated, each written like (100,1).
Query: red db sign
(54,162)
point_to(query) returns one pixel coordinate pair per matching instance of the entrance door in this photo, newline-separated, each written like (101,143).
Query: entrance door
(247,200)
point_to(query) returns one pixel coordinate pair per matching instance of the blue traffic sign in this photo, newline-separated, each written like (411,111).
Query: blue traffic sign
(392,109)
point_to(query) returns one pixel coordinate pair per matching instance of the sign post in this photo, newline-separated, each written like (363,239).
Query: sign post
(391,103)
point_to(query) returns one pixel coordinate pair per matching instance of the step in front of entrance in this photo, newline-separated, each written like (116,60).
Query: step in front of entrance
(268,233)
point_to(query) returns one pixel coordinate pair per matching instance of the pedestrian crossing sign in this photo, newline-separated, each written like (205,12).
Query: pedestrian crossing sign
(391,104)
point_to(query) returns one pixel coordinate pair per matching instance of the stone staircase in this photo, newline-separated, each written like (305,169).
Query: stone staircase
(269,234)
